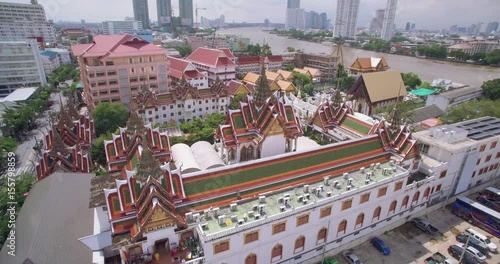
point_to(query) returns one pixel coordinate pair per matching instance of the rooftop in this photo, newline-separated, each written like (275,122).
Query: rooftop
(54,216)
(20,94)
(453,94)
(481,128)
(300,197)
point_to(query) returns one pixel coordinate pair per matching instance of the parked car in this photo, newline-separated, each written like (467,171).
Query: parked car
(483,248)
(351,258)
(473,233)
(425,226)
(480,257)
(441,259)
(456,251)
(380,245)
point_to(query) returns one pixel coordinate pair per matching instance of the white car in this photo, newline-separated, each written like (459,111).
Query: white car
(474,252)
(351,258)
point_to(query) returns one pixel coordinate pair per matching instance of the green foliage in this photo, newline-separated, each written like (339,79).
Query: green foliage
(63,73)
(479,57)
(70,90)
(411,80)
(308,89)
(341,72)
(254,50)
(493,58)
(378,45)
(470,110)
(290,49)
(301,79)
(398,37)
(299,34)
(235,101)
(200,130)
(109,116)
(6,145)
(97,151)
(176,140)
(427,85)
(23,184)
(347,82)
(184,50)
(491,89)
(433,51)
(404,108)
(459,55)
(289,68)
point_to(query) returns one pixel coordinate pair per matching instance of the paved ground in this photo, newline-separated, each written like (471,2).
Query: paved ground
(410,245)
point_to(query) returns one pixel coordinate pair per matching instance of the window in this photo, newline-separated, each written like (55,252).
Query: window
(364,198)
(473,174)
(277,252)
(498,155)
(359,220)
(342,227)
(493,145)
(426,192)
(150,59)
(251,237)
(321,236)
(488,158)
(140,60)
(392,207)
(302,220)
(278,228)
(251,259)
(376,213)
(346,204)
(482,148)
(424,148)
(299,244)
(415,198)
(405,202)
(382,191)
(438,188)
(221,247)
(398,186)
(443,174)
(132,70)
(325,211)
(478,161)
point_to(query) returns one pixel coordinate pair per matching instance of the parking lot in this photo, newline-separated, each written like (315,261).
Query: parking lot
(409,244)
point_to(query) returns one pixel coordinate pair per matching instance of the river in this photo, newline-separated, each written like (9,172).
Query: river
(427,69)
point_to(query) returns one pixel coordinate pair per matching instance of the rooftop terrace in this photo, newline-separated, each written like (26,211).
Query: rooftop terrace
(217,222)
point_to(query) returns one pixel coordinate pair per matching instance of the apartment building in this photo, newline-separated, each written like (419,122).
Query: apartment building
(218,63)
(117,27)
(327,64)
(51,61)
(20,66)
(253,64)
(113,68)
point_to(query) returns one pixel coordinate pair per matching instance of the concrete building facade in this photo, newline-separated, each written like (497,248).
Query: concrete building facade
(346,18)
(164,10)
(186,12)
(377,21)
(389,18)
(118,27)
(141,12)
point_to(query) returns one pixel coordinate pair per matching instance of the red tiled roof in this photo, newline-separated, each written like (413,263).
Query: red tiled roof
(193,74)
(210,57)
(177,64)
(233,86)
(275,58)
(248,60)
(228,53)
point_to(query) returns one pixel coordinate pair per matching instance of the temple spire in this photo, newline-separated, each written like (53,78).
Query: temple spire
(135,124)
(72,111)
(58,147)
(64,117)
(337,98)
(262,91)
(395,118)
(147,166)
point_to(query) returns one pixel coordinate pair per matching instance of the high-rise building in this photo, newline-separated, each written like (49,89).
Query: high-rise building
(492,27)
(347,16)
(21,65)
(412,26)
(324,20)
(186,12)
(21,21)
(408,26)
(117,27)
(390,16)
(141,12)
(454,29)
(293,4)
(164,9)
(377,21)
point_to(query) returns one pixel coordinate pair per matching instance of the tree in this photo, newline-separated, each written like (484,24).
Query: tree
(255,50)
(184,50)
(235,101)
(398,37)
(301,79)
(493,58)
(308,89)
(470,110)
(404,108)
(341,73)
(347,82)
(97,151)
(411,80)
(290,49)
(479,57)
(199,129)
(427,85)
(289,68)
(109,116)
(491,89)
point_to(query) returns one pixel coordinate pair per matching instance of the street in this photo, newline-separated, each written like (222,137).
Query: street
(25,153)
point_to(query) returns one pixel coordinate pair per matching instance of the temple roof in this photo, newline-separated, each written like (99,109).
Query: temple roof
(148,166)
(58,147)
(135,124)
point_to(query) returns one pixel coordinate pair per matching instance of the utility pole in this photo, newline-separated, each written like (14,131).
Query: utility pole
(464,249)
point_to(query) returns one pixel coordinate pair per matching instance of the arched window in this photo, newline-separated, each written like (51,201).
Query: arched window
(321,236)
(427,192)
(277,252)
(342,227)
(250,155)
(251,259)
(299,244)
(359,220)
(243,154)
(231,154)
(415,198)
(376,214)
(392,208)
(405,202)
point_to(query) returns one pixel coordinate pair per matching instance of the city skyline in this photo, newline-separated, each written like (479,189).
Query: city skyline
(242,11)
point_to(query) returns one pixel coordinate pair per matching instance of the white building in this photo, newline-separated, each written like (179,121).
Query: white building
(295,18)
(454,97)
(117,27)
(389,18)
(51,61)
(218,63)
(346,18)
(63,54)
(21,66)
(19,21)
(470,149)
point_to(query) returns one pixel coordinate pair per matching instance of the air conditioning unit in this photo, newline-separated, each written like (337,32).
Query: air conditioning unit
(261,208)
(349,182)
(204,226)
(362,169)
(281,200)
(196,217)
(325,180)
(394,169)
(300,198)
(335,183)
(286,195)
(241,221)
(216,211)
(318,191)
(282,208)
(367,181)
(234,218)
(255,207)
(348,187)
(189,216)
(245,216)
(221,219)
(377,165)
(321,187)
(372,166)
(262,199)
(329,194)
(233,206)
(307,197)
(391,162)
(251,214)
(384,171)
(208,213)
(306,188)
(304,201)
(346,175)
(257,216)
(286,201)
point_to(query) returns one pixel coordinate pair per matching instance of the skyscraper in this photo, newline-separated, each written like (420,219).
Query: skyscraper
(293,4)
(141,12)
(377,21)
(164,9)
(390,16)
(408,26)
(492,27)
(346,18)
(295,16)
(186,12)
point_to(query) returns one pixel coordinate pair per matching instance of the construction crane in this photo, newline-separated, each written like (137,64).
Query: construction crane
(196,12)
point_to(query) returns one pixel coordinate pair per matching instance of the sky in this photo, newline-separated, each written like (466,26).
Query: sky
(426,14)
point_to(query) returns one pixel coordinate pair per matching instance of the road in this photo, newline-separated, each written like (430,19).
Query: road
(25,154)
